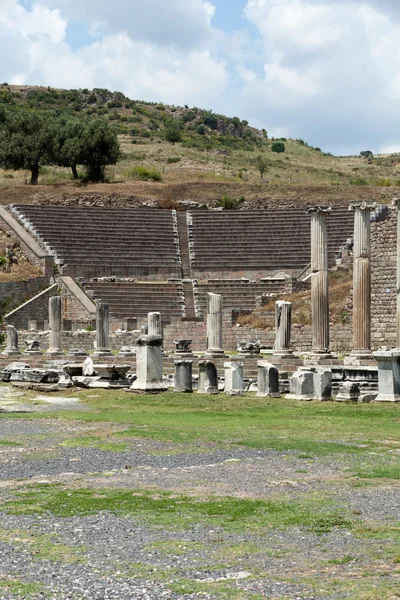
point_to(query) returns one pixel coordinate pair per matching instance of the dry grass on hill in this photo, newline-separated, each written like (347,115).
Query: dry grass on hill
(340,286)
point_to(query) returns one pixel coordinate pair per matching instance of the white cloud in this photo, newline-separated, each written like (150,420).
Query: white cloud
(331,71)
(182,23)
(140,69)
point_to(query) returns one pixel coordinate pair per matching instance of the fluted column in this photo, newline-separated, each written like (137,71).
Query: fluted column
(154,323)
(283,324)
(214,325)
(55,325)
(319,280)
(102,329)
(362,280)
(396,202)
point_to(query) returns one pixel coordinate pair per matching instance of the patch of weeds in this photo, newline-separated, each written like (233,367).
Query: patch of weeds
(144,174)
(383,472)
(305,455)
(222,589)
(94,442)
(43,546)
(23,589)
(313,512)
(343,560)
(9,443)
(176,547)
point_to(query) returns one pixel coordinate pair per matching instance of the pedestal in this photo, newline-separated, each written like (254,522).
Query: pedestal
(388,375)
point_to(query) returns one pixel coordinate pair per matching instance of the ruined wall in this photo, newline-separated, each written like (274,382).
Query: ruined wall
(383,302)
(18,292)
(341,336)
(37,309)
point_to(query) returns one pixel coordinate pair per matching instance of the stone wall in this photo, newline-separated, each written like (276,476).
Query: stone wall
(383,303)
(18,292)
(36,309)
(341,336)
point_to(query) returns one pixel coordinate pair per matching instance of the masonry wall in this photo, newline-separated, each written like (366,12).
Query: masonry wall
(18,292)
(341,336)
(73,311)
(37,309)
(383,302)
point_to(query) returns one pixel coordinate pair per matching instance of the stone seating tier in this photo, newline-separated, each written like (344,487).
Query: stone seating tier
(238,295)
(138,299)
(100,242)
(248,239)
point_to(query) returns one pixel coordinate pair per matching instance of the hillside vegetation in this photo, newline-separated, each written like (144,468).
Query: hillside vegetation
(212,148)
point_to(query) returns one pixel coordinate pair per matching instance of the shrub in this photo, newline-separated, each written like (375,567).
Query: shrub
(278,147)
(173,159)
(201,130)
(144,174)
(229,203)
(358,181)
(366,154)
(383,182)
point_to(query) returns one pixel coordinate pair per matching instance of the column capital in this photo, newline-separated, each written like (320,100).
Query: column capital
(318,209)
(362,205)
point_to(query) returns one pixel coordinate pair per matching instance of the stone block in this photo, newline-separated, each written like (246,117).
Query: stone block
(267,380)
(302,385)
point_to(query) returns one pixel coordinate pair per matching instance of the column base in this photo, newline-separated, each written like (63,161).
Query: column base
(102,352)
(147,388)
(359,360)
(387,398)
(212,353)
(321,359)
(11,353)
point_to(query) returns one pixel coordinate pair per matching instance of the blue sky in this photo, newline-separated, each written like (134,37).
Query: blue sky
(327,71)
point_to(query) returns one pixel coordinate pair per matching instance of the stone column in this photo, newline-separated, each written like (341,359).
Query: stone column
(234,378)
(148,366)
(396,202)
(214,325)
(208,378)
(283,325)
(55,324)
(319,283)
(12,342)
(154,323)
(183,376)
(102,329)
(361,353)
(267,380)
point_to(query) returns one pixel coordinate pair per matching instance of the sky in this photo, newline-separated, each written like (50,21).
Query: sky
(326,71)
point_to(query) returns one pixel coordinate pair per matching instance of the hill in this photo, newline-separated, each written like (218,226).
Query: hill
(217,156)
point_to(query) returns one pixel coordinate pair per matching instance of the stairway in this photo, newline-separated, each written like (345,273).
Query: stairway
(186,270)
(184,244)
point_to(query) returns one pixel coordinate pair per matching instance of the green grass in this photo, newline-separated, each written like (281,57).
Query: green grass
(94,442)
(42,546)
(21,589)
(314,512)
(379,472)
(9,443)
(311,429)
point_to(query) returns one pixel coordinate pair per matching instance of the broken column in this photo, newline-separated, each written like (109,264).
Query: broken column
(102,329)
(208,378)
(323,384)
(319,284)
(302,385)
(12,342)
(55,324)
(361,353)
(267,380)
(214,325)
(154,323)
(234,372)
(183,376)
(149,366)
(283,325)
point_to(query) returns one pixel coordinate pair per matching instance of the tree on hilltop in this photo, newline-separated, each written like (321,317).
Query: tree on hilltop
(27,140)
(71,137)
(100,148)
(278,147)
